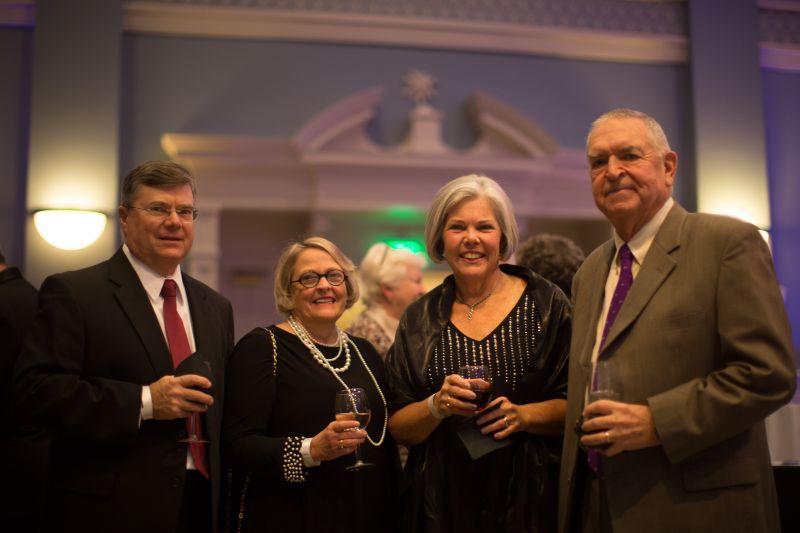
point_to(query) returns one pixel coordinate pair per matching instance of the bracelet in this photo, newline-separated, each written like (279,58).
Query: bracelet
(435,413)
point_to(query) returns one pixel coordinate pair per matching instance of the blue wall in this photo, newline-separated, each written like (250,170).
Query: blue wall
(265,88)
(15,84)
(782,120)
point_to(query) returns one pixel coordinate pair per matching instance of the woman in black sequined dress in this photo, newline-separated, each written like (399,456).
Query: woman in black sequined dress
(508,319)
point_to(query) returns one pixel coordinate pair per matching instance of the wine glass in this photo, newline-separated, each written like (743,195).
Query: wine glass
(605,383)
(194,426)
(352,404)
(480,382)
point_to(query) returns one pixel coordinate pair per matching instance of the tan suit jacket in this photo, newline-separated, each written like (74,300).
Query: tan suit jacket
(703,339)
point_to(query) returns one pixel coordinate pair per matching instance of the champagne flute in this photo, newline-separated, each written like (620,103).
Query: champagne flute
(352,404)
(480,382)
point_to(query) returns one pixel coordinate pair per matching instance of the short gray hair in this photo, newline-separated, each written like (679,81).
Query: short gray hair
(282,289)
(158,174)
(384,265)
(465,188)
(654,129)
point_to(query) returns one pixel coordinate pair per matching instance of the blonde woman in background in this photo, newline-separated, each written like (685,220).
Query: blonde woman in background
(391,279)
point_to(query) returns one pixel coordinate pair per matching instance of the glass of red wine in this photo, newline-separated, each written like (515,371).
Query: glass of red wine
(195,364)
(480,382)
(353,404)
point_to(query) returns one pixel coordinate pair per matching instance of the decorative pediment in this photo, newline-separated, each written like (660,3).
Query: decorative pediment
(333,164)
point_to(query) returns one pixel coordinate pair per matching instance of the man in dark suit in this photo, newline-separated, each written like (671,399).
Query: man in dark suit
(98,369)
(23,450)
(698,335)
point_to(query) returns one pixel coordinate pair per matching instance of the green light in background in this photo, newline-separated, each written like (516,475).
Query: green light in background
(412,245)
(405,213)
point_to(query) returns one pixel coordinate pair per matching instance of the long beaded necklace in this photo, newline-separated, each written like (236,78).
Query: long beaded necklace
(306,339)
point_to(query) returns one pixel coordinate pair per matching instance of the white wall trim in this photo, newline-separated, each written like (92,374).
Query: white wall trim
(777,56)
(311,26)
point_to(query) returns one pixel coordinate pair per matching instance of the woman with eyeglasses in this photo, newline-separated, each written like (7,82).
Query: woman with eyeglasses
(288,454)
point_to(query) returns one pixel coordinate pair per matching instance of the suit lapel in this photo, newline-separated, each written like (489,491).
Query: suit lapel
(133,300)
(596,278)
(656,268)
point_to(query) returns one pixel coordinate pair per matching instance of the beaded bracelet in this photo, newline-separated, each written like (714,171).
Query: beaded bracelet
(435,413)
(293,460)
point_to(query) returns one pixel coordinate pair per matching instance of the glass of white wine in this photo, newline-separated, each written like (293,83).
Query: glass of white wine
(353,404)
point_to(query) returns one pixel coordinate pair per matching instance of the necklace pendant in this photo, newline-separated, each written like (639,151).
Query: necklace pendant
(471,310)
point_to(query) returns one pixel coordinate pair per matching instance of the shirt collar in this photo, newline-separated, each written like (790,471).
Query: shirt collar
(640,243)
(151,280)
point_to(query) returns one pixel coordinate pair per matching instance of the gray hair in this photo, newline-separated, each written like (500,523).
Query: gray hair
(282,289)
(465,188)
(384,265)
(553,257)
(158,174)
(656,133)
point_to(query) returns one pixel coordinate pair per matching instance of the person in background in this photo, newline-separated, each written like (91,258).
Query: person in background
(687,309)
(98,370)
(390,280)
(288,452)
(23,450)
(514,323)
(554,257)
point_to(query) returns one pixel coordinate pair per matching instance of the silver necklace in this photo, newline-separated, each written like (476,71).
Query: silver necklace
(476,304)
(305,338)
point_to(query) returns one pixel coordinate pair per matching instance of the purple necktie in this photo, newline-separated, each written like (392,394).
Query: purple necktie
(620,292)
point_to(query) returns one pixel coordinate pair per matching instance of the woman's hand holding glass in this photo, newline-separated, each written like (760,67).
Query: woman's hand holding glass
(339,438)
(457,397)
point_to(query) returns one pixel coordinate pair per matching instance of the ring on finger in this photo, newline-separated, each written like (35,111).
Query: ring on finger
(506,421)
(608,438)
(341,444)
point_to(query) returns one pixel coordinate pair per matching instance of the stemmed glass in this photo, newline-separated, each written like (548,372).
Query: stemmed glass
(352,404)
(480,382)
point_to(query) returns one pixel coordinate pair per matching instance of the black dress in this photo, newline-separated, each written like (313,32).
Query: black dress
(511,490)
(269,406)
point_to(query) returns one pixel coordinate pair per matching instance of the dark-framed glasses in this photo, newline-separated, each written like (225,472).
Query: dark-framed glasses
(311,279)
(185,213)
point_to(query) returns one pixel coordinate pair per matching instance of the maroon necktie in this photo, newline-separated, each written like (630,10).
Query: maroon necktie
(620,292)
(180,350)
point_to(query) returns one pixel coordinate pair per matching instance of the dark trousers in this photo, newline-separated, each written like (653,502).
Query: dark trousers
(195,514)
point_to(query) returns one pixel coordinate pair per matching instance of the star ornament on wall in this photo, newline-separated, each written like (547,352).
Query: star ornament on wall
(419,86)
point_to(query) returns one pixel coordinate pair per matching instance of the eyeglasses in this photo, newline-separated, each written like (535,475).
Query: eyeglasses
(186,214)
(311,279)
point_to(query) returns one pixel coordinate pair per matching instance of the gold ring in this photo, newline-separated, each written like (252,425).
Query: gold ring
(341,444)
(506,422)
(447,404)
(608,438)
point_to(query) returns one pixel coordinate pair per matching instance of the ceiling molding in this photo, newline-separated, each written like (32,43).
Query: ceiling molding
(315,26)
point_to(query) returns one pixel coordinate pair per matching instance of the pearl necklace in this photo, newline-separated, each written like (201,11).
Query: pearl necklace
(344,339)
(303,335)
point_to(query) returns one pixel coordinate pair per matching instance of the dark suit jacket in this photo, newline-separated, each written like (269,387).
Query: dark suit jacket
(94,344)
(703,339)
(23,450)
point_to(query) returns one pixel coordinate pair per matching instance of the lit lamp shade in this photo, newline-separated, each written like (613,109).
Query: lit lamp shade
(69,229)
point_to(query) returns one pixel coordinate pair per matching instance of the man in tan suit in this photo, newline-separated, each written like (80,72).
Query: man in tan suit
(701,347)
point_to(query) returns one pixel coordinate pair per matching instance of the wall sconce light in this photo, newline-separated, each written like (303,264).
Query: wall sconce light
(69,229)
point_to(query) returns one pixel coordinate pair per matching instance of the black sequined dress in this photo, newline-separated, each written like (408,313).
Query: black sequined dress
(513,489)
